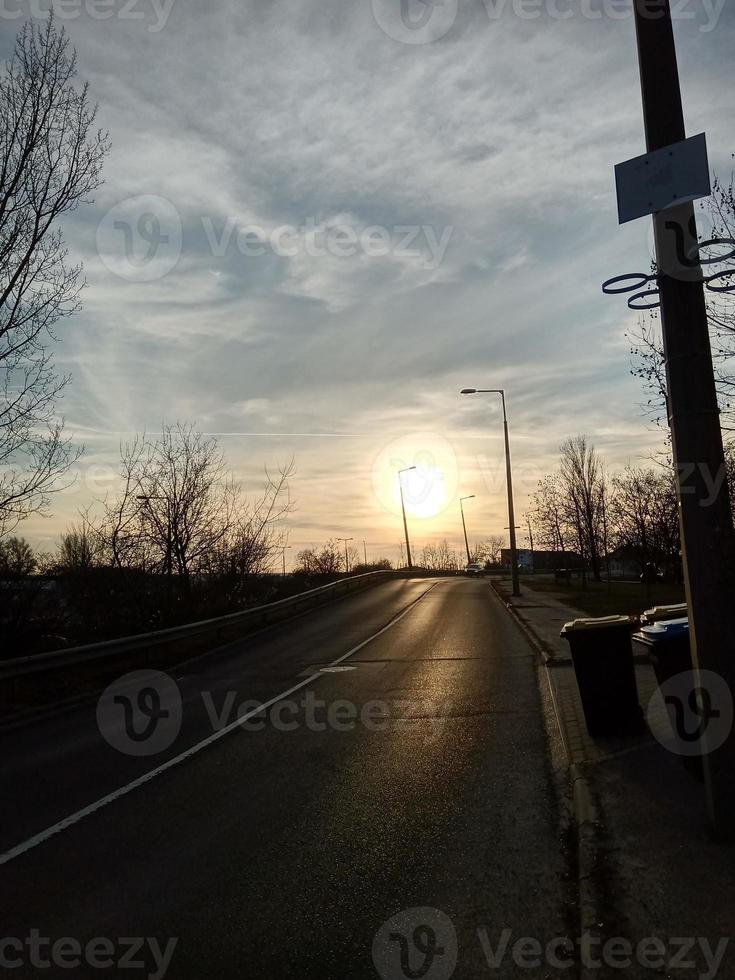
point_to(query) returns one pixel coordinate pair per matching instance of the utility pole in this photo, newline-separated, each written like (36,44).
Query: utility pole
(347,558)
(509,485)
(464,526)
(515,579)
(364,550)
(707,537)
(403,511)
(284,549)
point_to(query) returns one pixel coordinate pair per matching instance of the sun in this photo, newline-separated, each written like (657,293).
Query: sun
(424,490)
(425,466)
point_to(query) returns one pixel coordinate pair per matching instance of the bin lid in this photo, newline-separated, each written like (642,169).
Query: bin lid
(665,612)
(666,628)
(604,622)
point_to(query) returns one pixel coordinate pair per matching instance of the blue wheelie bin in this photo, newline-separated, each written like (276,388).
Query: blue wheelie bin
(666,642)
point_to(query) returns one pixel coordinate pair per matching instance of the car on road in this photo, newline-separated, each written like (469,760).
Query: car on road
(475,568)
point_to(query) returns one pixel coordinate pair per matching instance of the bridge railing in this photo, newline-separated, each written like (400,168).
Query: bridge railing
(207,633)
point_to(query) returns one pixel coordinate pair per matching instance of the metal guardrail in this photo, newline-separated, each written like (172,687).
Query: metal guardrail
(217,628)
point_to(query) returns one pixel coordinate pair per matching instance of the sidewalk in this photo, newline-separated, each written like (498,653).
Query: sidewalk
(654,873)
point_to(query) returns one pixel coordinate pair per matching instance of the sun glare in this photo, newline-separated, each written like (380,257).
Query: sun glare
(424,491)
(429,477)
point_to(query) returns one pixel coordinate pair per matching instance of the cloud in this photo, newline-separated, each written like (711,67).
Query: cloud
(256,114)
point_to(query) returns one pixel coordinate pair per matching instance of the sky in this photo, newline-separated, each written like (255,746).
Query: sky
(320,221)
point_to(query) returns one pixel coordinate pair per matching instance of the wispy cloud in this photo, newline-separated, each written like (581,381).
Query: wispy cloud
(241,115)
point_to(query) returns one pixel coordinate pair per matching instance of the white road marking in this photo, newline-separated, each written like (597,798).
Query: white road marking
(87,811)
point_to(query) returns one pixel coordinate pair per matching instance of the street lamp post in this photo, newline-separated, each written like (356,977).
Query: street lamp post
(509,484)
(284,549)
(347,559)
(464,526)
(403,511)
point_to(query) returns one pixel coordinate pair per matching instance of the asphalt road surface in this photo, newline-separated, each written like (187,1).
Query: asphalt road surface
(390,812)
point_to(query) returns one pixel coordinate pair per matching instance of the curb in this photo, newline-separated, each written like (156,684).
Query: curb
(585,812)
(531,635)
(587,821)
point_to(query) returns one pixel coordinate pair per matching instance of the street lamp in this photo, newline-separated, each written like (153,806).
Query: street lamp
(284,549)
(464,526)
(347,560)
(403,511)
(509,483)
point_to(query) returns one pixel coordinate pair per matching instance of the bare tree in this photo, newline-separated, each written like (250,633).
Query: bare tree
(79,548)
(327,561)
(489,550)
(19,594)
(721,306)
(647,364)
(440,557)
(549,514)
(647,355)
(353,558)
(256,536)
(178,501)
(50,162)
(120,530)
(377,565)
(581,477)
(17,559)
(645,515)
(180,513)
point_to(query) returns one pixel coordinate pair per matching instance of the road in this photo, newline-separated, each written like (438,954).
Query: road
(415,774)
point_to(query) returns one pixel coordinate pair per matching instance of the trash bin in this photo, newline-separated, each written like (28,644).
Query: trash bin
(602,655)
(666,642)
(659,613)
